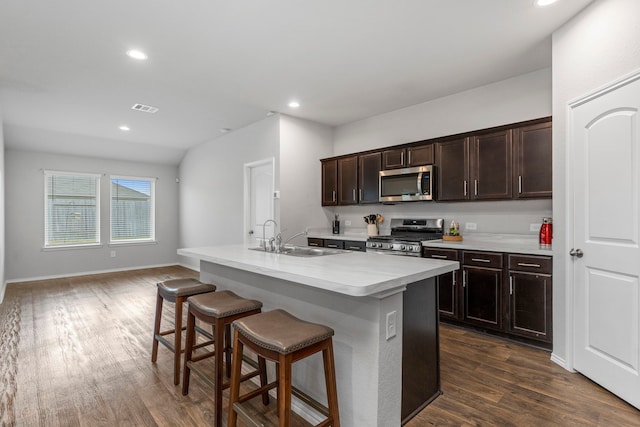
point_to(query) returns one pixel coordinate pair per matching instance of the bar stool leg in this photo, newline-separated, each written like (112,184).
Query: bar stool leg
(217,367)
(178,341)
(156,328)
(330,381)
(284,391)
(188,352)
(234,393)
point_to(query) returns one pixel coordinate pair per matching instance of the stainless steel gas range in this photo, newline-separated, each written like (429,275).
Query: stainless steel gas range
(407,236)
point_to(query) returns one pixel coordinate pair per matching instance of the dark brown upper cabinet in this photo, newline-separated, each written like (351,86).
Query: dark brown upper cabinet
(348,180)
(408,157)
(329,182)
(452,160)
(368,177)
(490,162)
(532,161)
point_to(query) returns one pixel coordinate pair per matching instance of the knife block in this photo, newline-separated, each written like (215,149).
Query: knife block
(372,230)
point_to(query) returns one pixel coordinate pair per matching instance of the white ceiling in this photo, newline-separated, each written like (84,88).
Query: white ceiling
(66,83)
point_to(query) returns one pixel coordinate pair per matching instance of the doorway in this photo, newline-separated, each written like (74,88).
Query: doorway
(604,234)
(259,196)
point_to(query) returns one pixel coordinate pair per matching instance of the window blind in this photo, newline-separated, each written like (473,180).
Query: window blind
(132,209)
(72,209)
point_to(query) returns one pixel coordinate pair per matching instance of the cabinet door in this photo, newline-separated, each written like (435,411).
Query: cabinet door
(530,305)
(420,155)
(393,159)
(532,161)
(369,178)
(448,284)
(482,296)
(354,245)
(348,180)
(314,241)
(452,161)
(490,166)
(329,183)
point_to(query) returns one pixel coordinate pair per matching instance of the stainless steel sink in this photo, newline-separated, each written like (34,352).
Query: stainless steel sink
(305,251)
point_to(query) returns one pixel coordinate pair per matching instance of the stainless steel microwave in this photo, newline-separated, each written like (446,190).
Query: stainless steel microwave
(407,185)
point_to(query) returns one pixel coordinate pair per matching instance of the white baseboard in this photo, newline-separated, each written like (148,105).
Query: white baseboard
(560,361)
(88,273)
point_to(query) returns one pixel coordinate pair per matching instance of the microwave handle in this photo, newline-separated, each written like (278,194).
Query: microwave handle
(420,182)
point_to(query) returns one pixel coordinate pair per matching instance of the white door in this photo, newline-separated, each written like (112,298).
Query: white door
(258,200)
(605,145)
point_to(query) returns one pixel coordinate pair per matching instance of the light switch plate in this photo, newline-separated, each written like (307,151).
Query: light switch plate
(471,226)
(391,324)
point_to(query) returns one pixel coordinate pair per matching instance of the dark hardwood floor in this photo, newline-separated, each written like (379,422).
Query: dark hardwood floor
(76,352)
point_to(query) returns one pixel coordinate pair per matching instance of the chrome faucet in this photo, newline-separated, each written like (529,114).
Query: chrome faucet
(272,239)
(280,244)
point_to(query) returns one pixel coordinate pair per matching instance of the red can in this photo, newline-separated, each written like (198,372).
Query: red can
(546,232)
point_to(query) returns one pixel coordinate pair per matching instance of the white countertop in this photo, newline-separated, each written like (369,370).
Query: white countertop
(352,273)
(509,243)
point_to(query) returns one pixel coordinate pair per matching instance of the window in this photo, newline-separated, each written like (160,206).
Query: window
(132,209)
(72,209)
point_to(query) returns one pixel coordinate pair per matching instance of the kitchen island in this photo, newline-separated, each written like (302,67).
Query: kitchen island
(378,305)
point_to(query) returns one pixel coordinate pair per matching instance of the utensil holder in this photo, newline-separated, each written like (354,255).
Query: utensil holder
(372,230)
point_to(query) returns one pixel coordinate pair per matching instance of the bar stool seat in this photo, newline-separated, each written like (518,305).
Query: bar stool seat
(284,339)
(176,291)
(218,309)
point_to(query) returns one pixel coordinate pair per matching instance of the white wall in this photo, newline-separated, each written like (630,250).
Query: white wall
(25,259)
(302,144)
(600,45)
(212,184)
(2,215)
(517,99)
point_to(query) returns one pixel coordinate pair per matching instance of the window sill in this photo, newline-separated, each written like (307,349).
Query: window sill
(133,243)
(71,247)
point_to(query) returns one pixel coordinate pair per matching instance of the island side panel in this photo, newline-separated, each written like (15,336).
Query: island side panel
(368,367)
(421,349)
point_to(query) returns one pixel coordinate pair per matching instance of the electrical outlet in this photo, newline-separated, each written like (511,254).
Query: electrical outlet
(113,254)
(347,223)
(534,227)
(391,324)
(471,226)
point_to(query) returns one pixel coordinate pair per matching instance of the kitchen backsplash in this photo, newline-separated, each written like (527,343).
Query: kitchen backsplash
(509,217)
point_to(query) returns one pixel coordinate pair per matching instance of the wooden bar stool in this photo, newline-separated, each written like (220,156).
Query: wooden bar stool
(284,339)
(219,309)
(176,291)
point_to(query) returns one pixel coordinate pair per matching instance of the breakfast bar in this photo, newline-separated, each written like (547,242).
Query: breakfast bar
(383,310)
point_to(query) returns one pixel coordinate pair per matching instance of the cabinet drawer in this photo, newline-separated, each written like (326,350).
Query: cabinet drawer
(335,244)
(314,241)
(482,259)
(530,263)
(448,254)
(354,245)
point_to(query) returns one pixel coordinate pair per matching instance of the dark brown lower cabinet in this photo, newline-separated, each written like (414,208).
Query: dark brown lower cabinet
(448,284)
(482,289)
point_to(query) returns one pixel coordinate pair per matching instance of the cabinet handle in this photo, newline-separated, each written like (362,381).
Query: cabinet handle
(510,285)
(360,194)
(354,195)
(464,278)
(409,158)
(480,260)
(453,275)
(526,264)
(402,158)
(332,246)
(354,248)
(465,187)
(476,187)
(313,244)
(519,184)
(439,256)
(334,195)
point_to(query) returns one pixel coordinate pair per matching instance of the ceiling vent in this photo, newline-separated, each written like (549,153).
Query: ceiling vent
(144,108)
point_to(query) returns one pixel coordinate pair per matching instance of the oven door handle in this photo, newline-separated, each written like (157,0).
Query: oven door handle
(420,182)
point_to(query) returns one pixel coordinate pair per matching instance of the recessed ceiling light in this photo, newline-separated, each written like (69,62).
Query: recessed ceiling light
(145,108)
(124,128)
(542,3)
(137,54)
(294,104)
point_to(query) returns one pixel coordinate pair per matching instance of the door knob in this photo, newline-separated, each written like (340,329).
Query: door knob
(250,232)
(576,252)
